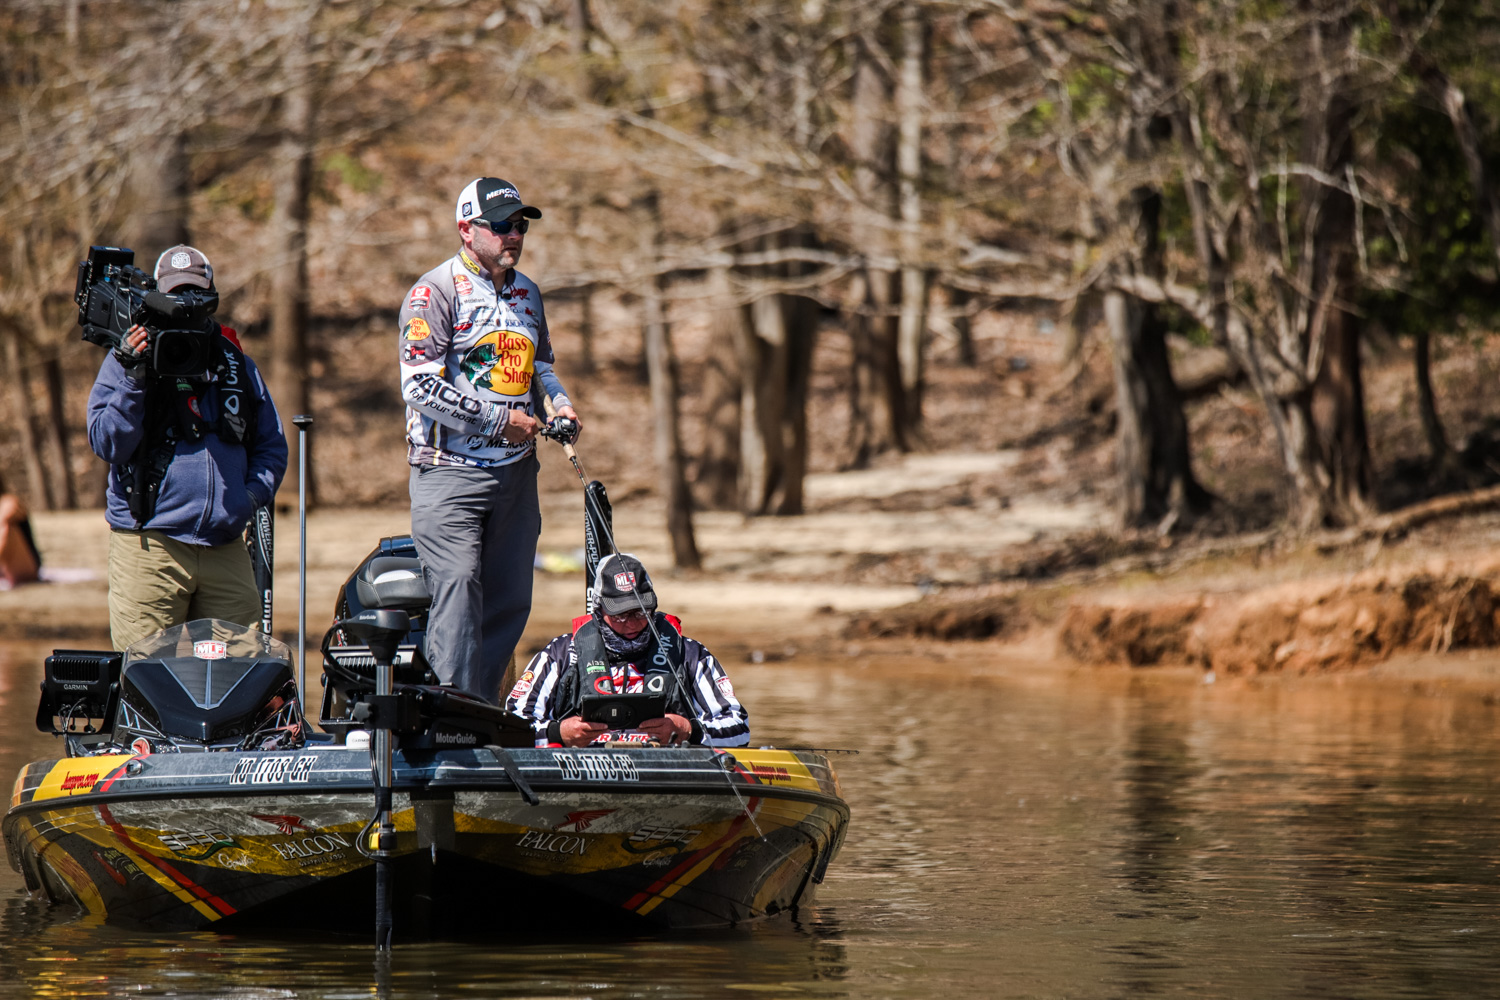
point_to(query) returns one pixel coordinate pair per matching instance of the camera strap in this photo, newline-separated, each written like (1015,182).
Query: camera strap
(174,413)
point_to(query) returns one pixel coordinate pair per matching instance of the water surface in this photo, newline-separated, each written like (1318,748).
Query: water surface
(1018,831)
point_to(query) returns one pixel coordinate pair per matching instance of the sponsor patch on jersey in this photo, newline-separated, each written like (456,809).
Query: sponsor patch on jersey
(472,267)
(462,285)
(725,688)
(414,354)
(416,328)
(420,298)
(523,685)
(501,361)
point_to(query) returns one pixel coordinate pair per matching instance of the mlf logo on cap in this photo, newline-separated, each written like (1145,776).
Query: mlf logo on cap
(624,581)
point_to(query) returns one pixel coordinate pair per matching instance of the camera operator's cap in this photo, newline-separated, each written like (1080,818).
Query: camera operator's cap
(492,200)
(183,265)
(622,584)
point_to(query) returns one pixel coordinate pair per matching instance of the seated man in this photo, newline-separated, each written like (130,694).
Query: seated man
(627,647)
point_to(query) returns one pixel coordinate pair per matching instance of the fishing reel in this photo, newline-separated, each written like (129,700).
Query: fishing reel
(563,430)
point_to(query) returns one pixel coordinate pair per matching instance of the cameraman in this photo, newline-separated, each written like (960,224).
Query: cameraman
(191,457)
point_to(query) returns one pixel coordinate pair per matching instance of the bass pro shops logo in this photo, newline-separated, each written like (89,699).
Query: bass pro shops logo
(501,362)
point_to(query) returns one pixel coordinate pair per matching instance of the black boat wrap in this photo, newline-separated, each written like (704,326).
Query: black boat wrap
(674,837)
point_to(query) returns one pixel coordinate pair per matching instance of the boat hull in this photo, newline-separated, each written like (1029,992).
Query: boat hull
(654,837)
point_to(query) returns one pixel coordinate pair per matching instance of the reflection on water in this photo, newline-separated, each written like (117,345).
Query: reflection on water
(1016,833)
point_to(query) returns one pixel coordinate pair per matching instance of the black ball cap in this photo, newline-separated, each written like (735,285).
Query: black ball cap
(492,199)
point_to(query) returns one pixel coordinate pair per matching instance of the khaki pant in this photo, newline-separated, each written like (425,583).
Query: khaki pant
(155,583)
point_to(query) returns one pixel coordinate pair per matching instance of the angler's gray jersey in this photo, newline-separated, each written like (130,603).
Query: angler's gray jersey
(469,353)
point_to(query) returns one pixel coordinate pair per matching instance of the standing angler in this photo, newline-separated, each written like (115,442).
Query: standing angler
(473,339)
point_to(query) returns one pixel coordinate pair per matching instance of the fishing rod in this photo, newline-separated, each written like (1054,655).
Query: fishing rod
(303,422)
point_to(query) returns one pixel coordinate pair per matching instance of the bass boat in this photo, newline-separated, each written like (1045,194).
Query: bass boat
(194,795)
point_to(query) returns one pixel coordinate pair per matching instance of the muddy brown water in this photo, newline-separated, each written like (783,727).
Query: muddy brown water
(1019,830)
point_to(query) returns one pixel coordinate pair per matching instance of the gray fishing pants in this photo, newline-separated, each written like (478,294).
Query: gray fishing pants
(476,531)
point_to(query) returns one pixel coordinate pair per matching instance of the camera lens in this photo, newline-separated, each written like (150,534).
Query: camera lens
(181,352)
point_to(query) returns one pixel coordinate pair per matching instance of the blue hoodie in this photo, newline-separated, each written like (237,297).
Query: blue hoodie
(212,488)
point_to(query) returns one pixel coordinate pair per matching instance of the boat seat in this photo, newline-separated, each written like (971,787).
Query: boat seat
(392,582)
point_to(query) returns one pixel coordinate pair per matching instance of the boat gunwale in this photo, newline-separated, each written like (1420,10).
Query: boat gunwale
(241,791)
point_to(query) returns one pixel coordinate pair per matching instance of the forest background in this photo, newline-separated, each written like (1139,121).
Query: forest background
(781,236)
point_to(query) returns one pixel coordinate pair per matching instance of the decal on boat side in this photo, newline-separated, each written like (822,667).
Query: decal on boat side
(211,840)
(657,838)
(577,822)
(288,825)
(78,782)
(552,843)
(309,849)
(272,770)
(596,767)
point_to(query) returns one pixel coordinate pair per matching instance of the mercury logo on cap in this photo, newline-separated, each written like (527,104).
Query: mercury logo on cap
(492,199)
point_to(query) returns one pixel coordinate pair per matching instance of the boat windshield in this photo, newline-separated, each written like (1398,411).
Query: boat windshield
(208,639)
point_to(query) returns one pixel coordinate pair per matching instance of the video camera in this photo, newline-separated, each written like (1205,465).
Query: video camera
(113,295)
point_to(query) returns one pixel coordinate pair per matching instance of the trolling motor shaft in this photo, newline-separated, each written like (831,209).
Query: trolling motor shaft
(381,630)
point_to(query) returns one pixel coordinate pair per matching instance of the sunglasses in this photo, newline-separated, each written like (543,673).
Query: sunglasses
(630,616)
(502,227)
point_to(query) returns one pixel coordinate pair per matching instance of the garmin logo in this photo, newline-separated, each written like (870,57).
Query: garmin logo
(468,739)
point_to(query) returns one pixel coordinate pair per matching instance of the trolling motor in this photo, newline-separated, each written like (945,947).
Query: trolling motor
(381,630)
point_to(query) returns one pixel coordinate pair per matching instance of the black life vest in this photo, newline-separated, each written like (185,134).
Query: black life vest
(173,416)
(661,664)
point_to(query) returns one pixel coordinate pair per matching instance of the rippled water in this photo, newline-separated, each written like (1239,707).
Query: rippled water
(1016,832)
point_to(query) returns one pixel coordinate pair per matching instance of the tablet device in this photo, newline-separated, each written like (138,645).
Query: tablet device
(623,711)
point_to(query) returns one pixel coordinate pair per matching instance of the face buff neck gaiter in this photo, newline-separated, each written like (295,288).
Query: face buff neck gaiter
(628,650)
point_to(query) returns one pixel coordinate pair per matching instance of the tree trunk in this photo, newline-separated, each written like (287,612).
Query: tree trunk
(718,475)
(775,345)
(1337,401)
(289,289)
(763,362)
(159,178)
(671,466)
(963,325)
(59,455)
(875,405)
(800,321)
(24,419)
(1157,486)
(1441,457)
(586,364)
(911,332)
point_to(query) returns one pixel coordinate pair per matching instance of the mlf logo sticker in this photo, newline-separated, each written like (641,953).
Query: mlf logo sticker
(210,649)
(501,362)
